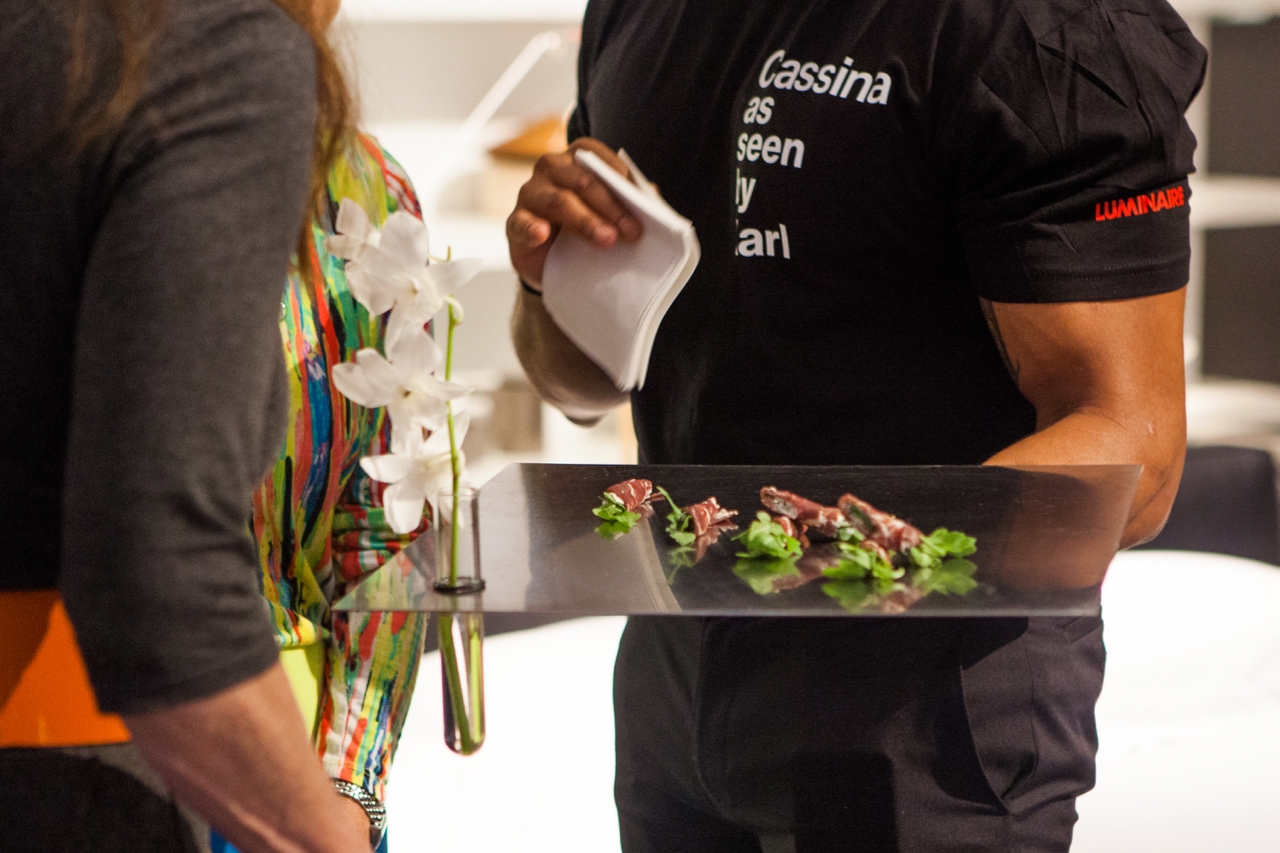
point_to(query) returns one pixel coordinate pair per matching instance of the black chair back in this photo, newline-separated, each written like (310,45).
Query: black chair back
(1226,504)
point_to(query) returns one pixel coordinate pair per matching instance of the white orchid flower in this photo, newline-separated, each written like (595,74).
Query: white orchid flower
(418,469)
(415,398)
(392,267)
(420,297)
(355,231)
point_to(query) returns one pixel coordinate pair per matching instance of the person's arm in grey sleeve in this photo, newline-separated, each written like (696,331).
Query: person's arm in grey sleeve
(177,409)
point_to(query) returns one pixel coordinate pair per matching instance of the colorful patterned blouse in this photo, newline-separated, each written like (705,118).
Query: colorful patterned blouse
(318,519)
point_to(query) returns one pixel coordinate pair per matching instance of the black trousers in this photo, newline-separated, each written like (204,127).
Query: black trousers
(893,735)
(92,799)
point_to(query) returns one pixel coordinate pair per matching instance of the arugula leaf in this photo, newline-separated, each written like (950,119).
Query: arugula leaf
(617,518)
(770,554)
(849,533)
(940,544)
(857,563)
(865,519)
(759,573)
(613,529)
(678,520)
(952,542)
(766,538)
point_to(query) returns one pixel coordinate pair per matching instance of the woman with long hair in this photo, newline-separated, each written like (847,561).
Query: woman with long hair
(157,161)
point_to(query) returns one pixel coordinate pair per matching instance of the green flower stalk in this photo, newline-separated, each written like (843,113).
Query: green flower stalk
(464,704)
(455,459)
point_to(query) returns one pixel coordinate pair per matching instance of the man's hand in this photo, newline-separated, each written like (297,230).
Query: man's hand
(1108,384)
(565,194)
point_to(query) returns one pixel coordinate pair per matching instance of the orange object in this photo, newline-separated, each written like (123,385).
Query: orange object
(45,695)
(544,137)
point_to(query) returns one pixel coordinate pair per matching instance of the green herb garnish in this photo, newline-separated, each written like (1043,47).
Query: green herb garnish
(678,520)
(939,545)
(766,538)
(849,533)
(617,518)
(857,563)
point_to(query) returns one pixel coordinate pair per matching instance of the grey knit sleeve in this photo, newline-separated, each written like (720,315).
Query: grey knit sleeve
(179,397)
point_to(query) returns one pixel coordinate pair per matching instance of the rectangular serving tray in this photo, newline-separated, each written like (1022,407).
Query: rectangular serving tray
(1045,536)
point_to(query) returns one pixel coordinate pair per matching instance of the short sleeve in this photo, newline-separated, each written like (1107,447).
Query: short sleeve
(1060,129)
(179,388)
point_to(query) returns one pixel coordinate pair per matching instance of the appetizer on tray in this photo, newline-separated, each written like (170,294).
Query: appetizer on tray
(866,558)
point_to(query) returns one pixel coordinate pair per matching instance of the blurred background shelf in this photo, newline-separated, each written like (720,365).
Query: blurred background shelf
(1234,201)
(1246,11)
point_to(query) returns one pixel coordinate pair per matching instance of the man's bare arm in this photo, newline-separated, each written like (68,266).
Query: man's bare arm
(558,370)
(563,194)
(1108,384)
(243,761)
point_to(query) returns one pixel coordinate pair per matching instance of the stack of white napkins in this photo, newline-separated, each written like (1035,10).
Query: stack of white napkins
(610,301)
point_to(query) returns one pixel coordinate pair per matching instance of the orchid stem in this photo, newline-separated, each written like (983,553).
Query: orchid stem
(454,460)
(463,721)
(467,716)
(475,686)
(448,349)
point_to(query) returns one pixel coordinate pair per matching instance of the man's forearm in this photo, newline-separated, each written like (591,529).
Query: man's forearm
(243,761)
(560,372)
(1107,382)
(1093,438)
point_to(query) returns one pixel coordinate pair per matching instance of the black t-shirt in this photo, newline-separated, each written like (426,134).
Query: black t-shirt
(859,174)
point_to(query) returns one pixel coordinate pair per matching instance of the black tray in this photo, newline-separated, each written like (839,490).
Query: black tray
(1045,537)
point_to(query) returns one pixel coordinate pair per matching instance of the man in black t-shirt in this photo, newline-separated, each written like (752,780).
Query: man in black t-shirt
(950,232)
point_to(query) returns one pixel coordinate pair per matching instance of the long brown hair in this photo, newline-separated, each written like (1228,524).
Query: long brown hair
(86,114)
(137,24)
(335,115)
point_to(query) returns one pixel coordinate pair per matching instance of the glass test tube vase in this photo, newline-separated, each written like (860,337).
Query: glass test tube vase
(461,632)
